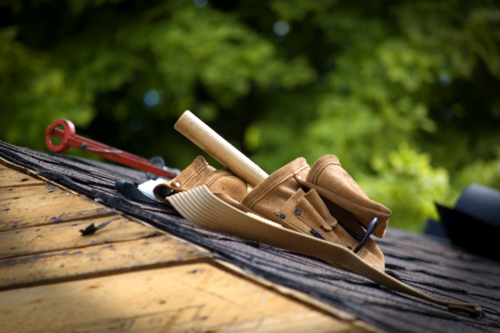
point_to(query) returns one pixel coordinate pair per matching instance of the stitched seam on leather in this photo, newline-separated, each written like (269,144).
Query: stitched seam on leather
(310,224)
(355,203)
(378,213)
(213,180)
(315,178)
(307,223)
(360,205)
(290,224)
(322,232)
(279,182)
(196,173)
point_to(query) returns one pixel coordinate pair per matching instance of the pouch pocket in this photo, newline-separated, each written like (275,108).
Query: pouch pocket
(307,213)
(201,173)
(334,184)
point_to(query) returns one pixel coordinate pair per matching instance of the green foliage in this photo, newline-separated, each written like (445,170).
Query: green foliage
(404,93)
(33,91)
(405,181)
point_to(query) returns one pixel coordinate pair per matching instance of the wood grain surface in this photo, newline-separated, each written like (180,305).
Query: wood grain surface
(96,260)
(43,204)
(126,277)
(216,146)
(67,235)
(174,299)
(9,177)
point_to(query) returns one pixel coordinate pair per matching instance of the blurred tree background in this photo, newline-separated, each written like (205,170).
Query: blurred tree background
(405,93)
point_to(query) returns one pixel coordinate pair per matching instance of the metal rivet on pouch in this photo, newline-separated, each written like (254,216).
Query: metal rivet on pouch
(299,177)
(282,216)
(178,184)
(297,212)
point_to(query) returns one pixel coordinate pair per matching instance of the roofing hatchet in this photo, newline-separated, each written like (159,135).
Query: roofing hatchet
(213,144)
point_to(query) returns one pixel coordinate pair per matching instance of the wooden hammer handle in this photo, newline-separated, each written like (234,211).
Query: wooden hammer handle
(212,143)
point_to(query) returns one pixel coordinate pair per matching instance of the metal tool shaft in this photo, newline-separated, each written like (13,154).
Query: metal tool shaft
(70,139)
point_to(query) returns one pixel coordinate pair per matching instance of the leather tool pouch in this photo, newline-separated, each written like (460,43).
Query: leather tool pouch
(343,196)
(282,199)
(285,198)
(311,201)
(200,173)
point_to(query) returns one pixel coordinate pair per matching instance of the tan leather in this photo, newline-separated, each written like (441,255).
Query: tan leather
(270,195)
(205,209)
(293,197)
(200,173)
(296,208)
(280,198)
(335,185)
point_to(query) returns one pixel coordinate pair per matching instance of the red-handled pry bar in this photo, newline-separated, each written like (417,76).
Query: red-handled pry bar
(70,139)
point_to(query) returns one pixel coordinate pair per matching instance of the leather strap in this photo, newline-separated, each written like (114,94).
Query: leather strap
(202,207)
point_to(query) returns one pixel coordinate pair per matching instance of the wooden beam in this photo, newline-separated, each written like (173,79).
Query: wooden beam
(191,297)
(96,260)
(62,236)
(127,277)
(43,204)
(9,178)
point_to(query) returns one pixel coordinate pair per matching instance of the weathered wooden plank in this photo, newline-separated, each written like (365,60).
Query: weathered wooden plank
(43,204)
(61,236)
(92,260)
(192,297)
(9,177)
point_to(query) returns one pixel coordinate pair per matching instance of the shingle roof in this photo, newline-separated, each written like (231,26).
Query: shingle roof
(433,266)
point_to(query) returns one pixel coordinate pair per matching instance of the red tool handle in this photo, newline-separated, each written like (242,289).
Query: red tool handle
(70,139)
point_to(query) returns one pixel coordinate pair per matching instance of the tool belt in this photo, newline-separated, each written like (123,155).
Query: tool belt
(319,211)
